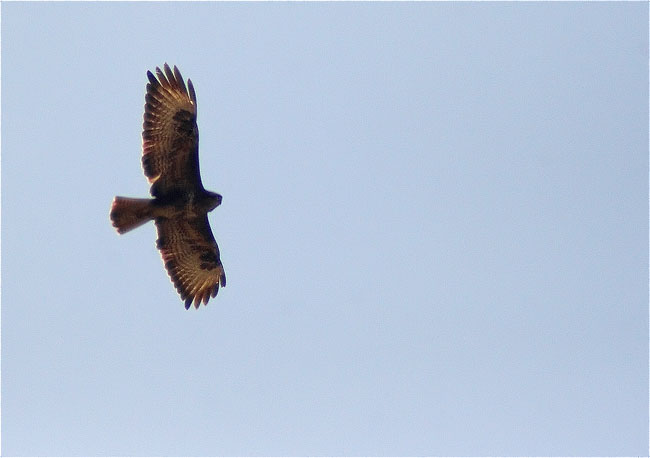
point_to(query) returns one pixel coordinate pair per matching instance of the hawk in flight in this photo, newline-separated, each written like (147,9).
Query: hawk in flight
(180,204)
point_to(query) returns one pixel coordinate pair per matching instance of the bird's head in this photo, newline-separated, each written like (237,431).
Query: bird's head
(214,199)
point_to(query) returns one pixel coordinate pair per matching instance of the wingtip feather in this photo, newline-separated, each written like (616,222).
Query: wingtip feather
(161,78)
(179,80)
(170,76)
(152,79)
(192,93)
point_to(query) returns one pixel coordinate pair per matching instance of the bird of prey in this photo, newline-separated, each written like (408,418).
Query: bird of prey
(180,204)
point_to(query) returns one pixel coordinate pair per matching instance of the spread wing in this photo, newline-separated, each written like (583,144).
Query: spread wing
(191,257)
(170,137)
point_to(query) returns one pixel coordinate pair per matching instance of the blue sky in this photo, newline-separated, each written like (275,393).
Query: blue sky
(434,226)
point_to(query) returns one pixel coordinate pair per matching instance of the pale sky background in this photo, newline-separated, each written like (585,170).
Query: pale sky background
(434,226)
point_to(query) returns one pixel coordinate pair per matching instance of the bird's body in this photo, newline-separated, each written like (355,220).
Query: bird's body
(180,204)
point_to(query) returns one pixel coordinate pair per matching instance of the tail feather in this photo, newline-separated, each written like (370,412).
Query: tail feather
(128,213)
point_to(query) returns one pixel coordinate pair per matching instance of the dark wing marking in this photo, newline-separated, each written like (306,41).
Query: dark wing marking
(170,136)
(191,257)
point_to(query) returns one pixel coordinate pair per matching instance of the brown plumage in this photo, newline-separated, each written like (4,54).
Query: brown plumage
(180,204)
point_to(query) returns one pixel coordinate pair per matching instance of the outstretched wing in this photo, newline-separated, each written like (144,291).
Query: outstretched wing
(191,257)
(170,137)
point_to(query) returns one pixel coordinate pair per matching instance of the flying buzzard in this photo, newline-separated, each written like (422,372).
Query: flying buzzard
(180,204)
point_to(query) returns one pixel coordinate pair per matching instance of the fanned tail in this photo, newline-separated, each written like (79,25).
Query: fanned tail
(128,213)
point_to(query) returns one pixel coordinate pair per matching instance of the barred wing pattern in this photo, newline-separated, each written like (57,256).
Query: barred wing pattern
(170,137)
(191,257)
